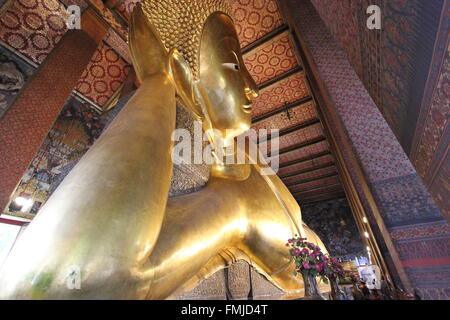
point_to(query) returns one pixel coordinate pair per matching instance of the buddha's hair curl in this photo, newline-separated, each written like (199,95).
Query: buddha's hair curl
(180,24)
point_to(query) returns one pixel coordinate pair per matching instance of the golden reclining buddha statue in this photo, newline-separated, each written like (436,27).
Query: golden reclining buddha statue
(111,217)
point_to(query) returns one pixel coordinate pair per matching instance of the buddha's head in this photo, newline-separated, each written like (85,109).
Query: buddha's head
(224,78)
(207,66)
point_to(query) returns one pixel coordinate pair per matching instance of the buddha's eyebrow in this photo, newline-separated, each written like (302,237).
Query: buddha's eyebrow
(233,50)
(234,40)
(235,56)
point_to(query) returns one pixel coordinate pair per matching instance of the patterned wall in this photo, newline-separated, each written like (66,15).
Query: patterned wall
(342,18)
(14,73)
(32,28)
(73,133)
(39,25)
(113,39)
(393,64)
(28,120)
(333,222)
(408,211)
(430,152)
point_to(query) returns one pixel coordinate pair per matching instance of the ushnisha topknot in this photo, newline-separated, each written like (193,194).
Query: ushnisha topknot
(180,24)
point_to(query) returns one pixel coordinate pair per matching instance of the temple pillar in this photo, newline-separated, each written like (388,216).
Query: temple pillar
(28,120)
(410,231)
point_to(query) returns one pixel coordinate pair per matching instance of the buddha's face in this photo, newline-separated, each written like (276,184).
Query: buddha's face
(227,86)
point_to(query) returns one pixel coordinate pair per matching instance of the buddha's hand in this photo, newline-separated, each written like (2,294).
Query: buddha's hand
(149,56)
(152,59)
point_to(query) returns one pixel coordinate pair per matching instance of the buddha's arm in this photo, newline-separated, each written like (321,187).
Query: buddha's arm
(227,214)
(226,221)
(103,220)
(195,229)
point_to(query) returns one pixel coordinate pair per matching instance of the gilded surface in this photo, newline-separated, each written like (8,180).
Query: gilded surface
(111,223)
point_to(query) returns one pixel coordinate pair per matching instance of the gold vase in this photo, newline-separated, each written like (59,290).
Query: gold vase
(312,291)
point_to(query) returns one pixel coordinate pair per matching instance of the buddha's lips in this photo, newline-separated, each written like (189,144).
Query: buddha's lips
(247,108)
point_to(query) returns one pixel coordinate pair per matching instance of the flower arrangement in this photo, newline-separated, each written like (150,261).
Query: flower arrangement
(308,257)
(334,269)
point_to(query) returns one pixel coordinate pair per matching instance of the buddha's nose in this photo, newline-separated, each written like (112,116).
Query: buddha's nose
(251,90)
(251,93)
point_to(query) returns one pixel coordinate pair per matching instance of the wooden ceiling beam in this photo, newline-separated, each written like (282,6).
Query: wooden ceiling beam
(318,188)
(324,166)
(280,77)
(299,184)
(305,159)
(296,183)
(267,37)
(297,127)
(301,145)
(282,109)
(322,197)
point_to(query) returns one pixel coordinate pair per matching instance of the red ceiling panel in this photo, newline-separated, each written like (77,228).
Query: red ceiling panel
(118,44)
(33,27)
(103,76)
(271,59)
(305,152)
(255,18)
(306,165)
(309,194)
(288,119)
(315,184)
(299,136)
(310,175)
(288,90)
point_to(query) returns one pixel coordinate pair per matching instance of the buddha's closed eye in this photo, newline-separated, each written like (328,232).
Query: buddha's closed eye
(231,65)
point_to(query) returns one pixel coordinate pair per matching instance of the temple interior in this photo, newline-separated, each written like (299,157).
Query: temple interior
(348,99)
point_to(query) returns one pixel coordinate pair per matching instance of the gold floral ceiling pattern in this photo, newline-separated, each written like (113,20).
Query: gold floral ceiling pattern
(33,27)
(271,59)
(255,18)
